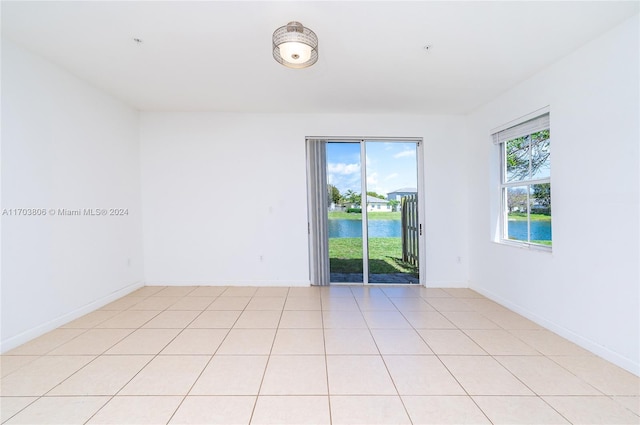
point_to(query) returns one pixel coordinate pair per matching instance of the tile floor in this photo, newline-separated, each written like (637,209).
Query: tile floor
(338,355)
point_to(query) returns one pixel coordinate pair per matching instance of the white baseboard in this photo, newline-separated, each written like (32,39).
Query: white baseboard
(287,283)
(28,335)
(628,364)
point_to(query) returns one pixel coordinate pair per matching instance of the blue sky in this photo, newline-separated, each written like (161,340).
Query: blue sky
(390,166)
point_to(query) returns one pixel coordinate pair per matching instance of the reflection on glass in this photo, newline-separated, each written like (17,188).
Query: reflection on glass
(344,186)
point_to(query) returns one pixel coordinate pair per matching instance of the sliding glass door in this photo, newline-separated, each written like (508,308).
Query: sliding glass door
(372,215)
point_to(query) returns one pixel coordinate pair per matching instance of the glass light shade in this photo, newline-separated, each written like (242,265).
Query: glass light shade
(295,52)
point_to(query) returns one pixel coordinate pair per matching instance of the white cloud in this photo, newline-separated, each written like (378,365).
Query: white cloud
(391,176)
(409,152)
(372,179)
(344,169)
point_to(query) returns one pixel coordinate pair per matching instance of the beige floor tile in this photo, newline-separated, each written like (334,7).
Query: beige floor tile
(291,410)
(167,375)
(375,303)
(443,304)
(215,410)
(275,291)
(592,410)
(231,375)
(9,364)
(299,341)
(336,292)
(605,376)
(45,343)
(39,376)
(266,303)
(295,375)
(196,341)
(370,410)
(192,303)
(106,375)
(545,377)
(549,344)
(469,320)
(340,304)
(463,293)
(155,303)
(441,410)
(222,319)
(129,319)
(509,320)
(59,410)
(385,320)
(630,402)
(512,410)
(144,341)
(90,320)
(500,342)
(239,291)
(146,291)
(208,291)
(304,291)
(258,320)
(358,375)
(428,320)
(432,293)
(303,303)
(421,375)
(399,341)
(127,410)
(482,375)
(229,303)
(175,291)
(123,303)
(343,320)
(310,319)
(362,291)
(248,341)
(401,291)
(450,342)
(411,304)
(349,341)
(484,305)
(171,320)
(9,406)
(93,341)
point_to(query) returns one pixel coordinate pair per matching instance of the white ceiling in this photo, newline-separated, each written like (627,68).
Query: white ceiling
(216,55)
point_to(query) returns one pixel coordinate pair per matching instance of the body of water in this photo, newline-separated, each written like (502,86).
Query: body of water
(353,228)
(540,230)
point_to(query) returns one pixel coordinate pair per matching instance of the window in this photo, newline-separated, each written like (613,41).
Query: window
(525,151)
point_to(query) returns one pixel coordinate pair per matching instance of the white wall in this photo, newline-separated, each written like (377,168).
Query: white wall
(222,190)
(64,145)
(588,288)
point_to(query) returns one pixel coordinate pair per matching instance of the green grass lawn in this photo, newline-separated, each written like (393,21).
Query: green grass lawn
(341,215)
(534,217)
(385,256)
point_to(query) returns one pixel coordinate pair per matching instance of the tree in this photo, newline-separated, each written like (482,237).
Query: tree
(352,197)
(516,199)
(376,195)
(394,205)
(334,194)
(522,149)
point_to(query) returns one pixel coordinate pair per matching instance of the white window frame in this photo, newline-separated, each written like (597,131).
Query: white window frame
(529,124)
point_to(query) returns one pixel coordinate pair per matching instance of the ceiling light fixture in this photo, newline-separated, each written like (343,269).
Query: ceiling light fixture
(295,46)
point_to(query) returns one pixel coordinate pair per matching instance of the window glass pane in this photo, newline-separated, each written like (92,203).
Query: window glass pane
(540,207)
(540,155)
(517,153)
(516,225)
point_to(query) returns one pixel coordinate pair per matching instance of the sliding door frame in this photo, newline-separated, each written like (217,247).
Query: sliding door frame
(319,273)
